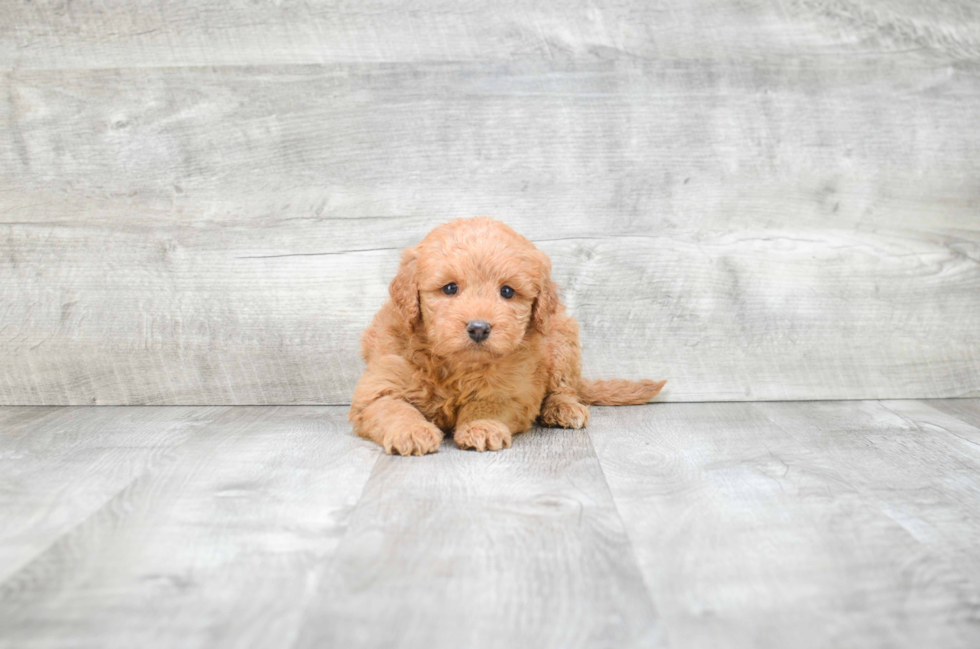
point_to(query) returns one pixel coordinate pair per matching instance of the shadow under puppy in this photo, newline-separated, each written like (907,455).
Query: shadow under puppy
(475,339)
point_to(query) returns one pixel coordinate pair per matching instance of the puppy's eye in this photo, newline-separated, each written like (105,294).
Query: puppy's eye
(450,288)
(507,292)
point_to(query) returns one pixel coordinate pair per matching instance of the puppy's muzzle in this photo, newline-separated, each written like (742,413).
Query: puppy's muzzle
(479,330)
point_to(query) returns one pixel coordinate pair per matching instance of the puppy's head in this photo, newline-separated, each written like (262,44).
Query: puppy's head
(476,287)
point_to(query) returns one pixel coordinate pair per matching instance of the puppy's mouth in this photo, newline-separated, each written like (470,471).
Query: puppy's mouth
(482,347)
(479,351)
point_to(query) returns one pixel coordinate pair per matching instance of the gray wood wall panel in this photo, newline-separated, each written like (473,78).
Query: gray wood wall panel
(117,33)
(754,200)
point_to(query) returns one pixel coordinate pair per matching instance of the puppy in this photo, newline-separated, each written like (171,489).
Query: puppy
(475,340)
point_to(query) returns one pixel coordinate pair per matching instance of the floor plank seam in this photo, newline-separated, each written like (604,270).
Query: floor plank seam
(8,591)
(918,426)
(634,557)
(327,565)
(172,453)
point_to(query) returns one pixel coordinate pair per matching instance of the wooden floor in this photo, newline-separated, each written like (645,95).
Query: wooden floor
(803,524)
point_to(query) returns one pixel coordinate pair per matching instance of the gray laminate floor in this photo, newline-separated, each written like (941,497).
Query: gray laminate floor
(812,524)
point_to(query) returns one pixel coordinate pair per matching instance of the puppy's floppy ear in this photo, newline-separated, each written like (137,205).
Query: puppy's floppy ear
(547,302)
(404,288)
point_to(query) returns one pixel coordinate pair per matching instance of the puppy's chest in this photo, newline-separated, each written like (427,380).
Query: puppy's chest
(442,394)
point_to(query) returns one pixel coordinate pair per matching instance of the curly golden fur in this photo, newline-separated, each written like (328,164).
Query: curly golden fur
(427,375)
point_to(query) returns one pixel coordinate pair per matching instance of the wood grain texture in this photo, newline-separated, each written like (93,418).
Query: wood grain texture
(844,524)
(216,546)
(114,33)
(798,524)
(966,410)
(917,464)
(521,548)
(935,416)
(58,466)
(779,228)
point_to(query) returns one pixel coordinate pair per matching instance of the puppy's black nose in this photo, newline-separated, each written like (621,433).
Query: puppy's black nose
(478,330)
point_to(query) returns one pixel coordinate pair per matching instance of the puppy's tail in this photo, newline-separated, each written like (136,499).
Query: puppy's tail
(618,392)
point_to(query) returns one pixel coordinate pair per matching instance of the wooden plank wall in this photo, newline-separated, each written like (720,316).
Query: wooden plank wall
(202,202)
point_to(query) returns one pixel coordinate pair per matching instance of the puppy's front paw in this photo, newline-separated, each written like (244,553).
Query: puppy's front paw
(483,435)
(412,439)
(564,412)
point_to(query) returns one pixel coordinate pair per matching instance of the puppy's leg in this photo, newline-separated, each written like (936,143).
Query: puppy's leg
(379,414)
(489,426)
(398,426)
(564,410)
(483,435)
(562,407)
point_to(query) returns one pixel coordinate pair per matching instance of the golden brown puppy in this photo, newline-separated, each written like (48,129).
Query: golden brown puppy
(474,339)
